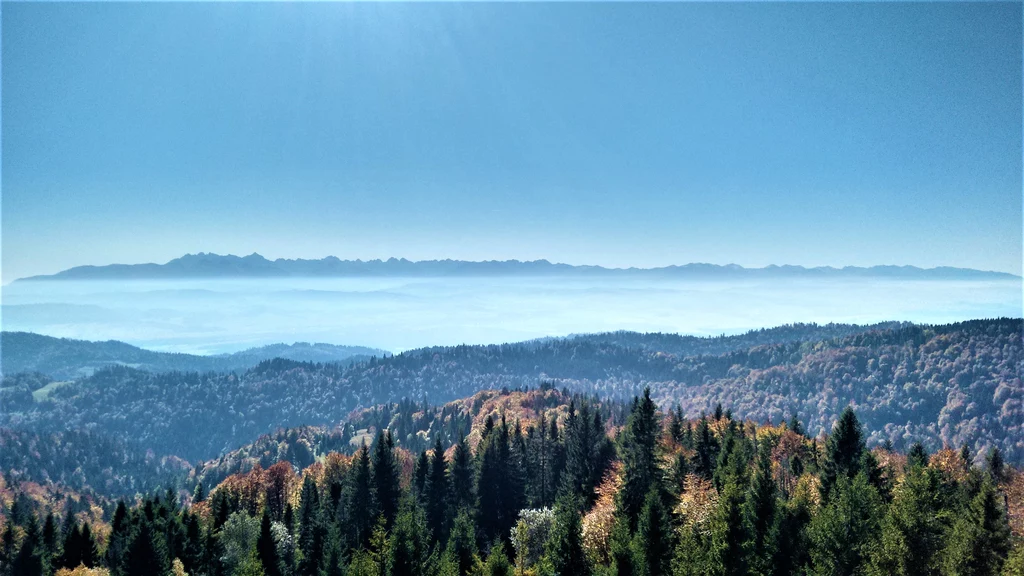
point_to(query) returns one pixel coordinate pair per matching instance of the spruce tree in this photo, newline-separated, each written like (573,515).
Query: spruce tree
(29,560)
(51,542)
(385,477)
(760,517)
(145,555)
(311,530)
(842,532)
(911,534)
(437,492)
(410,541)
(460,476)
(638,451)
(842,451)
(652,543)
(360,511)
(266,548)
(727,534)
(462,542)
(117,542)
(564,549)
(705,450)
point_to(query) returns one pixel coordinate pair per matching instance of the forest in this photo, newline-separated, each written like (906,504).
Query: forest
(942,385)
(541,481)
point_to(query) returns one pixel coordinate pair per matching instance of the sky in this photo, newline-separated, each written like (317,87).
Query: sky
(613,134)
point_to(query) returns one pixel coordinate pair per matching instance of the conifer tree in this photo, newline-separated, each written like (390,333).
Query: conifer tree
(564,549)
(117,542)
(7,549)
(266,548)
(29,560)
(410,541)
(760,518)
(419,475)
(51,543)
(638,451)
(842,451)
(385,477)
(910,531)
(705,450)
(727,534)
(621,547)
(994,462)
(311,530)
(145,554)
(979,540)
(360,511)
(497,561)
(841,533)
(437,492)
(460,476)
(462,542)
(652,544)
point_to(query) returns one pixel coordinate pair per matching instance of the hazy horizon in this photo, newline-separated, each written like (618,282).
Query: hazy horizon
(395,314)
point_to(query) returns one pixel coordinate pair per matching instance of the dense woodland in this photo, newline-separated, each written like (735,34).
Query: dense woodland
(544,482)
(67,359)
(939,385)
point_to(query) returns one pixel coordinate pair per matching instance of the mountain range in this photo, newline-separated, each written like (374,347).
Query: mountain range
(208,265)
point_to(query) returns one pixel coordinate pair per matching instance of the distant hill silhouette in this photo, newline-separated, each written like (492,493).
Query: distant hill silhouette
(64,358)
(207,265)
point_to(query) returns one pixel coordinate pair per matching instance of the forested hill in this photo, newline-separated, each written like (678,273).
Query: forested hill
(65,358)
(546,483)
(942,385)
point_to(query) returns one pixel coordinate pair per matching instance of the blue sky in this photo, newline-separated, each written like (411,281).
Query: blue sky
(613,134)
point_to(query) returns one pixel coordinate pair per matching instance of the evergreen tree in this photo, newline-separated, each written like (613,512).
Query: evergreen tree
(841,533)
(564,549)
(199,494)
(994,462)
(727,534)
(460,476)
(792,552)
(980,538)
(117,543)
(385,477)
(89,554)
(266,548)
(437,492)
(311,530)
(29,560)
(145,555)
(705,450)
(7,550)
(652,545)
(192,559)
(842,451)
(917,456)
(410,541)
(638,451)
(760,518)
(911,534)
(51,543)
(795,426)
(621,547)
(419,475)
(496,492)
(497,561)
(462,542)
(360,511)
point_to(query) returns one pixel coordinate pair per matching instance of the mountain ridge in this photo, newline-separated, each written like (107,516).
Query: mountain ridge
(68,358)
(210,265)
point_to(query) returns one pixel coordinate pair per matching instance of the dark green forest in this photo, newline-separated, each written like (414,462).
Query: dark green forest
(547,482)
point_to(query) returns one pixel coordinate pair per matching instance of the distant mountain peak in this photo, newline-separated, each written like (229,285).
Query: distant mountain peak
(210,265)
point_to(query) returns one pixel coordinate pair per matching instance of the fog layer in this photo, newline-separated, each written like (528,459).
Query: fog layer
(397,314)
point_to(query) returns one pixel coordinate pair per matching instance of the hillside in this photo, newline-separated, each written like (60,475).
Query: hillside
(204,265)
(547,482)
(941,385)
(65,358)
